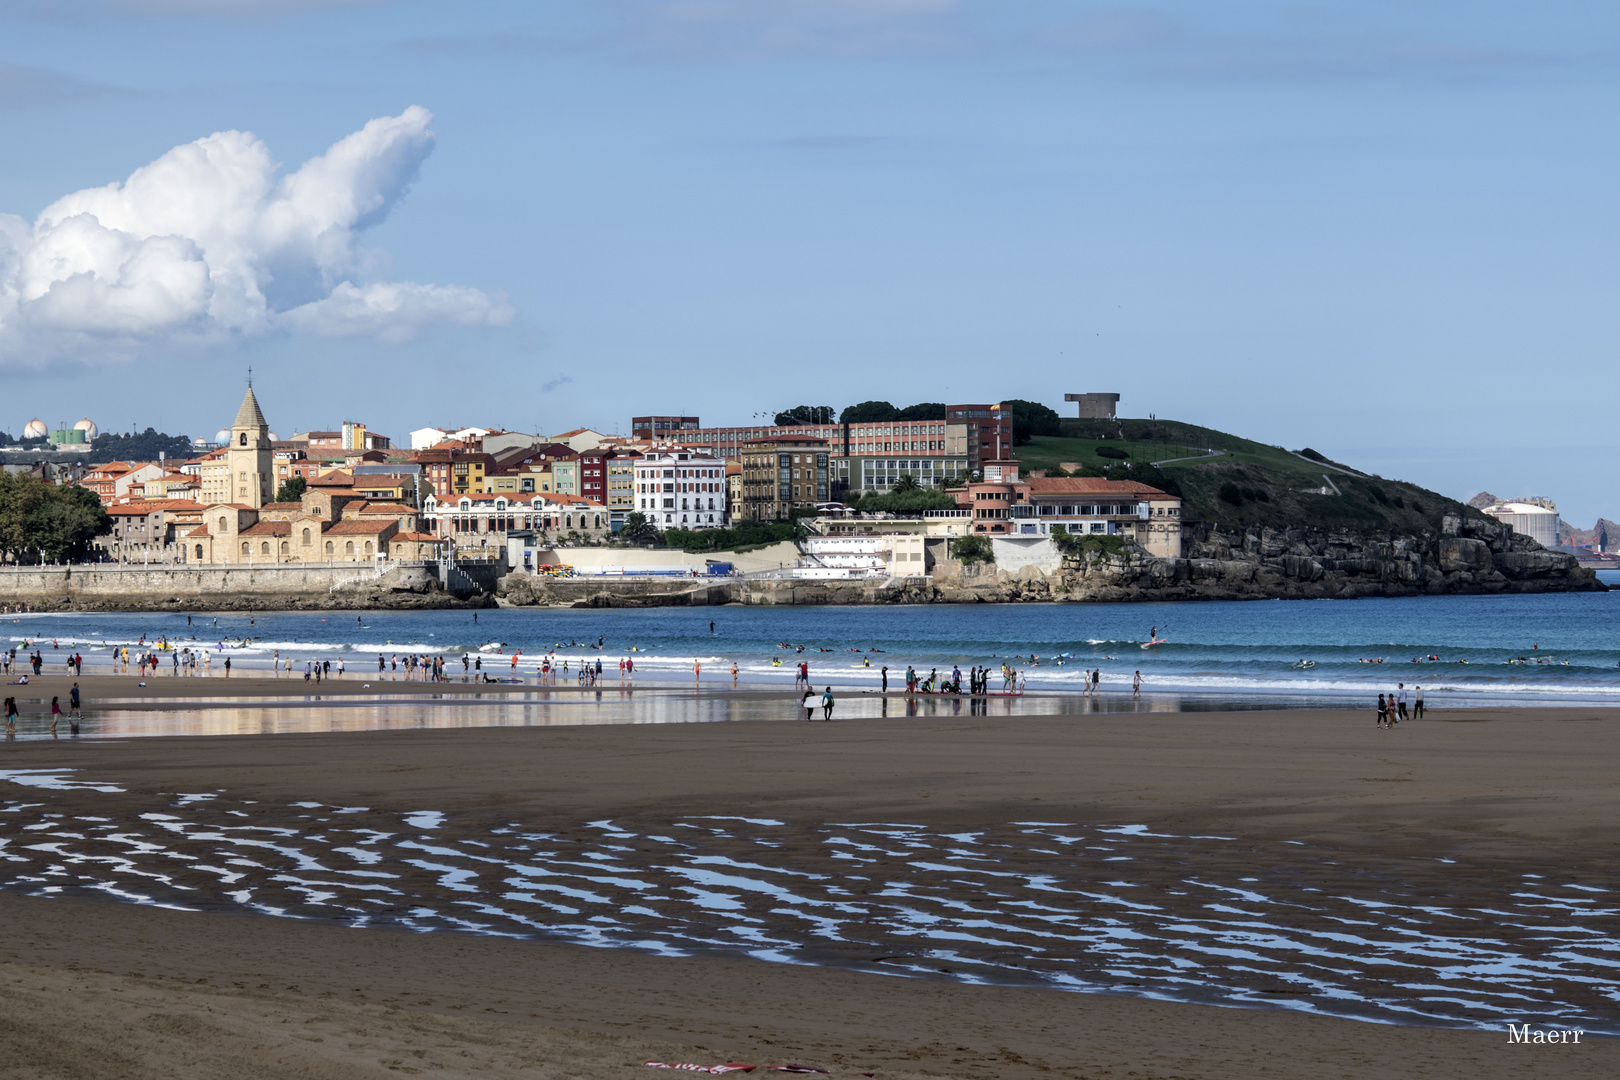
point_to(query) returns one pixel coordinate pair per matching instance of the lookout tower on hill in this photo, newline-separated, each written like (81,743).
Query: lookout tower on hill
(1095,406)
(248,456)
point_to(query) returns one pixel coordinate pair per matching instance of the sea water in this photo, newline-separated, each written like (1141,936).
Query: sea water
(1550,648)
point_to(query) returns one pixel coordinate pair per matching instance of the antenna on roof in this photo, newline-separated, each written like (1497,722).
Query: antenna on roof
(250,376)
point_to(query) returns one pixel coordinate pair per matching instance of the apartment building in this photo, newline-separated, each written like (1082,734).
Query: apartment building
(781,473)
(872,456)
(682,488)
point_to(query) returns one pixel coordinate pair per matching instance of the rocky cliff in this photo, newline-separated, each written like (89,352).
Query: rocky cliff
(1466,557)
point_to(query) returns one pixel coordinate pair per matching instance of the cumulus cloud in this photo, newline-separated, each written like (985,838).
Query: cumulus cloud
(209,240)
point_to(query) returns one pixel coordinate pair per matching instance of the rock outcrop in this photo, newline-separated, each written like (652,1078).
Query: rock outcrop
(1470,556)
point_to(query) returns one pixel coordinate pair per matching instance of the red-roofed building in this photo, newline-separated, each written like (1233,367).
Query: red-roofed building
(1007,504)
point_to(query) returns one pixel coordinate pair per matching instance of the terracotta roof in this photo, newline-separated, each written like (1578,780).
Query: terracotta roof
(201,530)
(283,506)
(733,468)
(132,509)
(268,528)
(418,537)
(396,509)
(332,479)
(359,528)
(1087,485)
(229,506)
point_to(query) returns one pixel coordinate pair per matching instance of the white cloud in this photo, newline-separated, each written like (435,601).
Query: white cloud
(208,241)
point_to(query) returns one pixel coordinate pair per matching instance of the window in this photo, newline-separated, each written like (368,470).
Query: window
(243,440)
(306,538)
(199,551)
(246,548)
(348,548)
(222,526)
(329,549)
(264,548)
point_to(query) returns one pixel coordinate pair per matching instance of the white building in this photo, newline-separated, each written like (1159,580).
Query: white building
(680,487)
(1539,523)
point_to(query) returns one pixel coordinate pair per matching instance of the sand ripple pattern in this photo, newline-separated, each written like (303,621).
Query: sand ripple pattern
(1079,907)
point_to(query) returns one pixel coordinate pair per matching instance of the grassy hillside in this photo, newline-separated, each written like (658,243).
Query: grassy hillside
(1236,482)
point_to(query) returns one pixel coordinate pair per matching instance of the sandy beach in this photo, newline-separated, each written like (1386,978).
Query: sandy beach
(97,987)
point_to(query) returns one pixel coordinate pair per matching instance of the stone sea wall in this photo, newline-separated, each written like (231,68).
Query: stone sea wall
(223,588)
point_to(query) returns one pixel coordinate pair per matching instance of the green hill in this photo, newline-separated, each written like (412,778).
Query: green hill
(1235,482)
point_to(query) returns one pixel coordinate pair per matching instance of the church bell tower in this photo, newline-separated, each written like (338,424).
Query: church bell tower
(249,456)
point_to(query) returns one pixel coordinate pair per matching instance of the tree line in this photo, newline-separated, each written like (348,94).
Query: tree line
(49,522)
(1029,418)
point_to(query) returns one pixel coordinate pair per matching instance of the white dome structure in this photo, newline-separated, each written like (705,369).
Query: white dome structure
(36,429)
(88,426)
(274,437)
(222,436)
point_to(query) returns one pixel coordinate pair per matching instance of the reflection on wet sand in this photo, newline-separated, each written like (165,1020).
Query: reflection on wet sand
(566,707)
(1080,907)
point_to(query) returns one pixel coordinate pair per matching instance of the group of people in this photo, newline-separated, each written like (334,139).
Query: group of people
(1392,708)
(75,713)
(808,702)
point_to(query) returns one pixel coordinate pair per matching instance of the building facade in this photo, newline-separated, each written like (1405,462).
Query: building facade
(662,429)
(476,526)
(781,473)
(682,488)
(1011,505)
(872,456)
(249,458)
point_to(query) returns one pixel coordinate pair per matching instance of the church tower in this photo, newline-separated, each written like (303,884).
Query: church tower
(249,458)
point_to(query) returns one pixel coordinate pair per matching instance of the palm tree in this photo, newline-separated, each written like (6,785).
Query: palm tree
(635,526)
(906,483)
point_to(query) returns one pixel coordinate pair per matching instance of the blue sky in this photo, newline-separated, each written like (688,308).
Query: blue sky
(1384,230)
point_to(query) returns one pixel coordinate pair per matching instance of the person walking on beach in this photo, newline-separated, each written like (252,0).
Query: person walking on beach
(227,667)
(808,701)
(11,718)
(1417,702)
(1400,700)
(827,704)
(56,714)
(1136,684)
(73,702)
(885,678)
(1383,712)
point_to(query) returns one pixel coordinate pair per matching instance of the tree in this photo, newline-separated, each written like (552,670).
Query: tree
(927,410)
(292,489)
(147,445)
(905,483)
(868,412)
(54,521)
(972,549)
(636,527)
(805,414)
(917,501)
(1031,418)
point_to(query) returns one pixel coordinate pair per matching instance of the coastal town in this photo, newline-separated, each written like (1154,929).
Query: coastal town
(352,495)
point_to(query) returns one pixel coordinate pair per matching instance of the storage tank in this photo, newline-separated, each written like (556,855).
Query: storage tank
(1539,523)
(35,429)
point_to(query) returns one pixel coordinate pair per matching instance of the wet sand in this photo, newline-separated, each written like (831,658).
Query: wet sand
(100,988)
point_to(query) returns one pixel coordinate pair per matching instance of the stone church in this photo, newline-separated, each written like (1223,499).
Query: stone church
(331,523)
